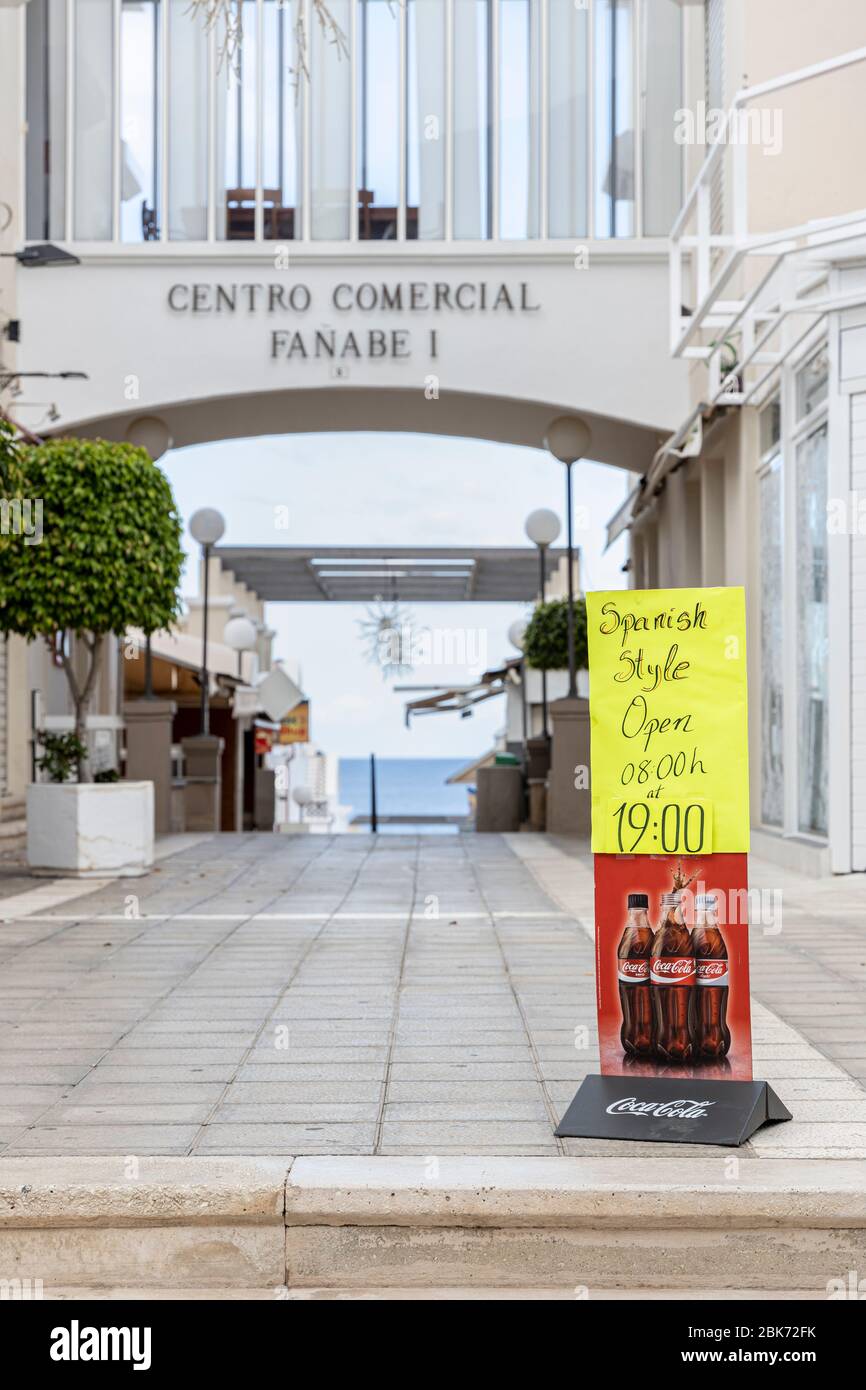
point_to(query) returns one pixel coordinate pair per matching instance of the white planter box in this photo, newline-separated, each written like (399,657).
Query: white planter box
(90,829)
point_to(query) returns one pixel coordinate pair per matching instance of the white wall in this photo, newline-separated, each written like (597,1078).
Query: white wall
(593,340)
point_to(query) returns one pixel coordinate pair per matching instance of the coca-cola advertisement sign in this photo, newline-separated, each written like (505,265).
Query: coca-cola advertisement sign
(672,966)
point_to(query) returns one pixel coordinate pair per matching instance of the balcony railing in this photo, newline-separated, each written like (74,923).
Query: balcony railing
(433,120)
(706,265)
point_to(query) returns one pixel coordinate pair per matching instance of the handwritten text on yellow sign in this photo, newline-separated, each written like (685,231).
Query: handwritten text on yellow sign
(668,708)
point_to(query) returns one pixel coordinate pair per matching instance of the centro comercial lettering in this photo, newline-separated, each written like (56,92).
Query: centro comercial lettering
(413,296)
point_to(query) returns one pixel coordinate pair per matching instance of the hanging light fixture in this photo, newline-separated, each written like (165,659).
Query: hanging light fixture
(388,633)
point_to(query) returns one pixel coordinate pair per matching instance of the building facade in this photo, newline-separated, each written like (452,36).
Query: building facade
(466,217)
(760,482)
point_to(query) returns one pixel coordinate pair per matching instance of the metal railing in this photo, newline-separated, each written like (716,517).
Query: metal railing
(259,208)
(704,263)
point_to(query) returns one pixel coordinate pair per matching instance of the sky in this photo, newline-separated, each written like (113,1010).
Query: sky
(394,489)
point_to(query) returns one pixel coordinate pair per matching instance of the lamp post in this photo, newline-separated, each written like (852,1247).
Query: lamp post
(542,527)
(240,633)
(148,668)
(568,439)
(205,526)
(302,796)
(516,635)
(374,813)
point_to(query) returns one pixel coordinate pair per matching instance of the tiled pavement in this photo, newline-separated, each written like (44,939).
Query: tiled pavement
(359,994)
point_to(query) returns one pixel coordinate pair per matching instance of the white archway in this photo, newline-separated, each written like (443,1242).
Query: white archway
(500,419)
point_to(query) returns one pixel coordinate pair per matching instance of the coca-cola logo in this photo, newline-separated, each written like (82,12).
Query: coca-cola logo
(682,1108)
(712,972)
(635,968)
(673,969)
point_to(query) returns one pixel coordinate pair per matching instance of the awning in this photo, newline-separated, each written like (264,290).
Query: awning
(469,771)
(184,649)
(622,517)
(411,574)
(460,699)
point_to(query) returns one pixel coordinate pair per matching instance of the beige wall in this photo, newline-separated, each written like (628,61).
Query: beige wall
(704,531)
(820,171)
(779,35)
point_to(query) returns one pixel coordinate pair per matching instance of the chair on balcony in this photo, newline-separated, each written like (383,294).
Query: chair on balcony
(149,227)
(375,223)
(279,221)
(380,223)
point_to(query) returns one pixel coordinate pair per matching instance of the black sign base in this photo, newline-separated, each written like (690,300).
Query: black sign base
(671,1111)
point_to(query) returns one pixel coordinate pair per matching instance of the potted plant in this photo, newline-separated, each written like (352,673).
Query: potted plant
(108,557)
(545,643)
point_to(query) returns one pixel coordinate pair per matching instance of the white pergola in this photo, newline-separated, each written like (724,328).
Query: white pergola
(411,574)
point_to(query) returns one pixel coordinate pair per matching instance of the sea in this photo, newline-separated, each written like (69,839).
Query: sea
(404,787)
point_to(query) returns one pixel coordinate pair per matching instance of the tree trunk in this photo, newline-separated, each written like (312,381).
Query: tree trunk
(81,694)
(81,772)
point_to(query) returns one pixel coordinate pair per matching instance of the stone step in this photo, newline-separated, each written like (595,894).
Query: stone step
(459,1294)
(355,1226)
(160,1223)
(582,1223)
(13,834)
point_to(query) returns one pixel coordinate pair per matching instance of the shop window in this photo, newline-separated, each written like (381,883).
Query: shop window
(282,126)
(330,98)
(770,423)
(813,384)
(812,632)
(93,146)
(378,118)
(472,122)
(426,120)
(568,119)
(46,120)
(614,118)
(772,647)
(519,124)
(139,139)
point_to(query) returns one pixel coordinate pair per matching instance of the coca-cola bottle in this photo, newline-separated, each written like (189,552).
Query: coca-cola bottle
(672,976)
(633,970)
(712,1037)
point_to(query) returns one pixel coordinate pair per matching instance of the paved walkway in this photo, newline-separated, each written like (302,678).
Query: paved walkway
(261,994)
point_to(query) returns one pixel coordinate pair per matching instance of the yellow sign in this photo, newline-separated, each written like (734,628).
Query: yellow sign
(669,721)
(295,726)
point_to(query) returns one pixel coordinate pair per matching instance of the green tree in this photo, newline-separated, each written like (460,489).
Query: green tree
(109,556)
(11,482)
(545,644)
